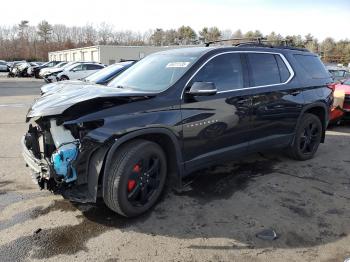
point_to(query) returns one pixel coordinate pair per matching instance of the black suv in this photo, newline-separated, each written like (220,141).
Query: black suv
(172,113)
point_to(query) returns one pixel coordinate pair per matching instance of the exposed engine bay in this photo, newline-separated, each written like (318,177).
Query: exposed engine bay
(55,147)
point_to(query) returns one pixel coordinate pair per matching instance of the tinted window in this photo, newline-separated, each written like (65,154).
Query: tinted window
(263,69)
(93,67)
(284,72)
(312,65)
(225,71)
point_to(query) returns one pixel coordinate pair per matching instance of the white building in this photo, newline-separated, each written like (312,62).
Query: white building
(106,54)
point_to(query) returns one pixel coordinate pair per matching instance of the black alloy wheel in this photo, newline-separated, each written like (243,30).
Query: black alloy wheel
(135,178)
(307,138)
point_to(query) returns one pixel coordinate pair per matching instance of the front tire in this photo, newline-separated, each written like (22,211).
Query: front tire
(307,138)
(64,78)
(135,179)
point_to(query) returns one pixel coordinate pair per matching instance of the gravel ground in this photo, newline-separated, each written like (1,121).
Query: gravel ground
(217,219)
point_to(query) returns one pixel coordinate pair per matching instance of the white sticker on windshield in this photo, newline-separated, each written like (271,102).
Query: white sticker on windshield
(177,64)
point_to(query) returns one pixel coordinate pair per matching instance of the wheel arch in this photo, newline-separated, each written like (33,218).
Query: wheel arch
(163,137)
(320,110)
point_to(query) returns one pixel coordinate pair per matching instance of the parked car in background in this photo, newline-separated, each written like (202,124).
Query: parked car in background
(50,76)
(101,77)
(23,68)
(3,66)
(34,71)
(48,70)
(339,73)
(13,67)
(17,69)
(79,71)
(341,106)
(168,115)
(10,64)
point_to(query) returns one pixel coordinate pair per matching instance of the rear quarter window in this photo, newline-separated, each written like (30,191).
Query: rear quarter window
(264,69)
(312,65)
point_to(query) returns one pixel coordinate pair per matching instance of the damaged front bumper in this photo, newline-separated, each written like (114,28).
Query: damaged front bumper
(40,170)
(56,169)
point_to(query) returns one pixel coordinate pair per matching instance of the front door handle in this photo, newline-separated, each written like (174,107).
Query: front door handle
(295,92)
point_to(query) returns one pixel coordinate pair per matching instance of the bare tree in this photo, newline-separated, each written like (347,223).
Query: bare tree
(44,31)
(105,32)
(24,41)
(89,34)
(186,35)
(237,34)
(157,38)
(210,34)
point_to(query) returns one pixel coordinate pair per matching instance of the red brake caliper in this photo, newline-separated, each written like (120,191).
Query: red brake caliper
(132,182)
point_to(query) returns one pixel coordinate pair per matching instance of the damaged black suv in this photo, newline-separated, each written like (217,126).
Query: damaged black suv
(172,113)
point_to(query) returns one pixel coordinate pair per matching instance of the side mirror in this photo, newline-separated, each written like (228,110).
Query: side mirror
(202,89)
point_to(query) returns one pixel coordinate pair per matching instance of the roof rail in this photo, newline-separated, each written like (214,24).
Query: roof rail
(246,39)
(259,42)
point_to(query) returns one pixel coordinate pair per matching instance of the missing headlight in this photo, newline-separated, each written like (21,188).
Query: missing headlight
(80,130)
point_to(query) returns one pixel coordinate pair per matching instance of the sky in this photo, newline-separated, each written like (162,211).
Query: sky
(320,18)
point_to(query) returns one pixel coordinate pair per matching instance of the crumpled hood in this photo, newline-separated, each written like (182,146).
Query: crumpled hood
(55,103)
(56,86)
(49,70)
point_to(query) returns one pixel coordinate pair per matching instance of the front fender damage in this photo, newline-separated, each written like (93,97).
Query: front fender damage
(63,137)
(63,161)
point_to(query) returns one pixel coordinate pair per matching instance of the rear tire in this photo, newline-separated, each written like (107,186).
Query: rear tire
(307,138)
(135,179)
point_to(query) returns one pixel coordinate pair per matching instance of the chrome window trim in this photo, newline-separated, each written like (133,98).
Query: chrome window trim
(290,69)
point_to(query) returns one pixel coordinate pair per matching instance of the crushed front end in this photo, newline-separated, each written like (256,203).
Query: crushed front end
(70,132)
(56,153)
(50,151)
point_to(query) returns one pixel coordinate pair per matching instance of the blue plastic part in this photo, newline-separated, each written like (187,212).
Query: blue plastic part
(62,162)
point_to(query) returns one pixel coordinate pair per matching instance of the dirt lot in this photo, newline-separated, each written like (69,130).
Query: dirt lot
(217,219)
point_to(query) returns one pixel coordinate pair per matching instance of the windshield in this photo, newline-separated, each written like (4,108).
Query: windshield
(347,82)
(337,73)
(69,66)
(155,73)
(105,72)
(59,65)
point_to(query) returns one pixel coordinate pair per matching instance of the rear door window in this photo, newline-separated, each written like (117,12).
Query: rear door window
(264,69)
(93,67)
(225,71)
(312,65)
